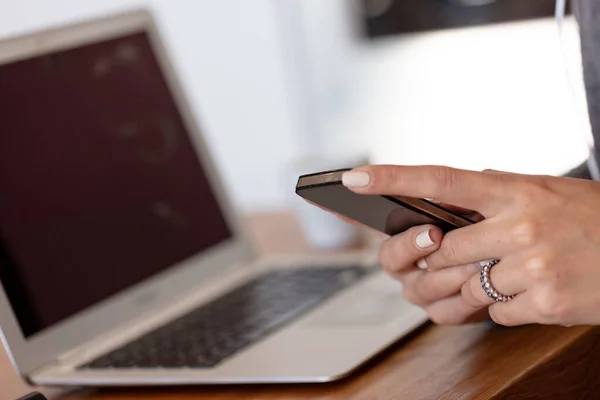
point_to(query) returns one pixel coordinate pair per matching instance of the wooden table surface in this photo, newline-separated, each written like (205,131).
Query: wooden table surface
(480,361)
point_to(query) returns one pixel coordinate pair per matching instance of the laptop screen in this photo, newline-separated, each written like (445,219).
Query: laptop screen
(100,186)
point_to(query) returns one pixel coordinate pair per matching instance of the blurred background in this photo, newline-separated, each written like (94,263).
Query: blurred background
(282,87)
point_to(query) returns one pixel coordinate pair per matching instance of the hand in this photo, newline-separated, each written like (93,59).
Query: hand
(545,230)
(438,292)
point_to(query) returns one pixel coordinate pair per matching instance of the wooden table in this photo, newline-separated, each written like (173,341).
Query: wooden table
(470,362)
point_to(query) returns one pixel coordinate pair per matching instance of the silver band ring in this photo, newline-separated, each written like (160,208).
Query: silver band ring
(487,286)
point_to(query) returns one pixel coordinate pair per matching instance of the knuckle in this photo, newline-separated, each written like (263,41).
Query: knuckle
(540,269)
(467,294)
(472,293)
(392,257)
(417,288)
(448,250)
(498,317)
(444,177)
(394,275)
(528,191)
(425,289)
(386,177)
(550,306)
(475,290)
(467,273)
(409,295)
(400,252)
(385,258)
(526,233)
(536,267)
(525,193)
(441,317)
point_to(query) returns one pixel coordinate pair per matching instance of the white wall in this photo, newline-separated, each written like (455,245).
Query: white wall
(229,55)
(486,97)
(269,78)
(494,97)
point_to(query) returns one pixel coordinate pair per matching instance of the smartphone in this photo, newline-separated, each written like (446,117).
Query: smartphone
(387,214)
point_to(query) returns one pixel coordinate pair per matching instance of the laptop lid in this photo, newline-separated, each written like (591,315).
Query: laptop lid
(111,206)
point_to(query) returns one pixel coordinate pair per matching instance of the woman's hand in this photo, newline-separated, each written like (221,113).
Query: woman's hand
(438,292)
(545,230)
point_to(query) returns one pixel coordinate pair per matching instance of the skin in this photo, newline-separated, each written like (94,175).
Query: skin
(544,230)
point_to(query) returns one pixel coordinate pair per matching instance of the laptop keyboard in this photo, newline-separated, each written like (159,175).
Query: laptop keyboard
(217,330)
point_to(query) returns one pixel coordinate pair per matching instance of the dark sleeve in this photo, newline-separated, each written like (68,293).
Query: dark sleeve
(581,172)
(587,13)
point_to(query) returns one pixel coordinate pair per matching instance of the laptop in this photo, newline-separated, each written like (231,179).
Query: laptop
(122,260)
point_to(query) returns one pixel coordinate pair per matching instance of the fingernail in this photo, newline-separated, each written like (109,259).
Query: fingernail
(422,264)
(356,179)
(423,240)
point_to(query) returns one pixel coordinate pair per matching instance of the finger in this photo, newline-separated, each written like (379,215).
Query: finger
(517,311)
(485,240)
(454,311)
(424,288)
(401,252)
(507,277)
(474,190)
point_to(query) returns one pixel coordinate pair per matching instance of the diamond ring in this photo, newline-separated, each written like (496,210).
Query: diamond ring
(487,286)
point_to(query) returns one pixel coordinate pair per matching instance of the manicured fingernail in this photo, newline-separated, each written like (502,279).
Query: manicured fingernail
(356,179)
(423,240)
(422,264)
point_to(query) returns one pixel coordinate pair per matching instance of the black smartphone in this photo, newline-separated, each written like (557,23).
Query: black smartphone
(387,214)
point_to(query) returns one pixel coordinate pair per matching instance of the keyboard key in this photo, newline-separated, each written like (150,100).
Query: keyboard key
(217,330)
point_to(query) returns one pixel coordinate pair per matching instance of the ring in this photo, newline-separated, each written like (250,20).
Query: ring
(487,286)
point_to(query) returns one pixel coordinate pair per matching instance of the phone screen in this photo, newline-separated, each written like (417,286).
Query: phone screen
(384,214)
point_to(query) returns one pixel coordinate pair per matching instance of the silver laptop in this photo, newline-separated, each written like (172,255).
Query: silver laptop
(122,261)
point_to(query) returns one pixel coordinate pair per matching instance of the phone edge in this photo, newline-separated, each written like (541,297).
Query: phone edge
(421,206)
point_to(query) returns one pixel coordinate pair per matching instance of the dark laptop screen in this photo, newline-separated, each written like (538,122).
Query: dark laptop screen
(100,186)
